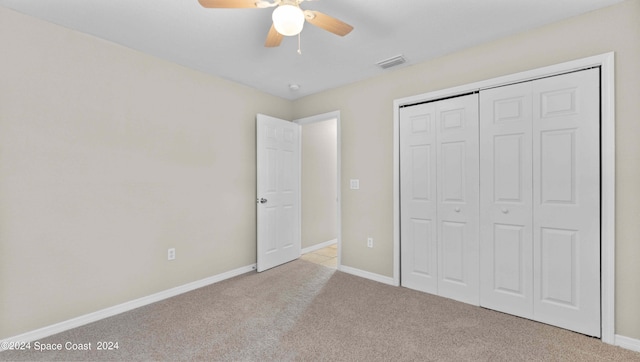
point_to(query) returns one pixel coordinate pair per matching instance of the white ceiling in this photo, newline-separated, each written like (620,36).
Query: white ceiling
(229,42)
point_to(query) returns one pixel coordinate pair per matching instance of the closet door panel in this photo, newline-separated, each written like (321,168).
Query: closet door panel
(419,265)
(452,260)
(458,186)
(506,251)
(500,199)
(567,201)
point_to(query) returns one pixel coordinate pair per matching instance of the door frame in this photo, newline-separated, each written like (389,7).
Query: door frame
(320,118)
(606,63)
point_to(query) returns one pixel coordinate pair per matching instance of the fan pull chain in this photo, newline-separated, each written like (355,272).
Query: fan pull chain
(299,51)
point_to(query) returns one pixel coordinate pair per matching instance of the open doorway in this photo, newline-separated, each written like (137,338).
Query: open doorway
(320,189)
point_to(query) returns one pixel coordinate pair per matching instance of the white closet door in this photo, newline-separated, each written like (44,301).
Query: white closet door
(458,187)
(566,224)
(537,251)
(418,198)
(506,249)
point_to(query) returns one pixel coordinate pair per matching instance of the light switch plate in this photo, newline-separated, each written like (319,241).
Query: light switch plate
(354,184)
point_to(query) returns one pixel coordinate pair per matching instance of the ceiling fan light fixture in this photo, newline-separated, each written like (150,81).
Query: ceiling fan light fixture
(288,20)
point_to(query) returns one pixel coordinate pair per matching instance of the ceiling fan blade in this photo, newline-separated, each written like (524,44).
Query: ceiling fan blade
(273,38)
(230,4)
(327,22)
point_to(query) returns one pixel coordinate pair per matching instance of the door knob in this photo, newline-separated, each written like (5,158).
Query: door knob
(505,210)
(262,200)
(457,209)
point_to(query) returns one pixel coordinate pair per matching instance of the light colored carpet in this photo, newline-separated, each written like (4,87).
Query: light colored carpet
(305,312)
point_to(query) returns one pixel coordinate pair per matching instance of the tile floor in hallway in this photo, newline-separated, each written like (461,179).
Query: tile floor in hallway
(326,256)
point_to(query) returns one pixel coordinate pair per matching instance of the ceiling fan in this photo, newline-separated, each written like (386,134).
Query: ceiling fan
(288,17)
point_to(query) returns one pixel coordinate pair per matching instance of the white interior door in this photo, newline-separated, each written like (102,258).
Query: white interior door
(506,188)
(540,200)
(458,202)
(566,194)
(439,198)
(278,191)
(541,191)
(418,223)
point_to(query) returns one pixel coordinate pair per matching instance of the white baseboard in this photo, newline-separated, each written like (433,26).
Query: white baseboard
(124,307)
(323,245)
(627,342)
(367,275)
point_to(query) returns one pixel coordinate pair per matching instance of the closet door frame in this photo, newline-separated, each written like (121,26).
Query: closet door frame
(607,168)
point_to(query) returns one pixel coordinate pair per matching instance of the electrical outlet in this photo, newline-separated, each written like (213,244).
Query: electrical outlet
(171,254)
(370,242)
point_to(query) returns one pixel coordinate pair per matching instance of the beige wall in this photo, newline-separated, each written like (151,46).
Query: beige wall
(319,182)
(107,158)
(367,133)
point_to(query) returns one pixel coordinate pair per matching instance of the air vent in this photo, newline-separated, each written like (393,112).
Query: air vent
(391,62)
